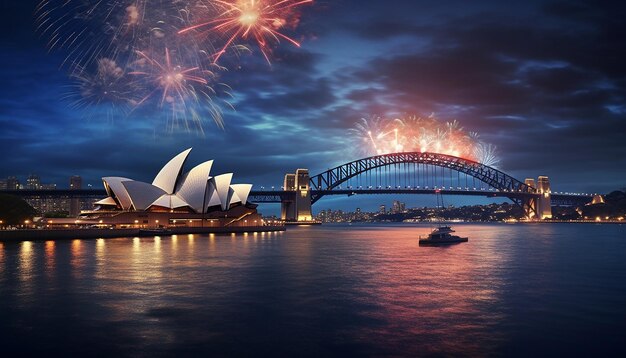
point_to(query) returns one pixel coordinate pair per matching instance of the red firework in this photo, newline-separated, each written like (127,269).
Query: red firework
(260,20)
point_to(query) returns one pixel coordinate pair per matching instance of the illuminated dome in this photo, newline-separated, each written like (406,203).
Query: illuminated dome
(172,189)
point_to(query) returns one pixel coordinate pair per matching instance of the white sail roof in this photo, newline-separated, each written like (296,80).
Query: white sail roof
(233,197)
(106,201)
(169,174)
(242,191)
(115,189)
(193,187)
(211,198)
(222,187)
(142,195)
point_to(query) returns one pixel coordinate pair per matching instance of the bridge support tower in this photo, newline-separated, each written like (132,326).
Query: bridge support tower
(298,207)
(540,207)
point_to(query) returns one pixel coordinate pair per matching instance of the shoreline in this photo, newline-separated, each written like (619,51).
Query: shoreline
(90,233)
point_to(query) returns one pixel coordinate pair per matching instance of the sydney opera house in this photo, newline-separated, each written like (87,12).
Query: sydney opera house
(175,198)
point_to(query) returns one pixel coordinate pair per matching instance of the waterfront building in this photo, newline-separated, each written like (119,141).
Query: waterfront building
(174,198)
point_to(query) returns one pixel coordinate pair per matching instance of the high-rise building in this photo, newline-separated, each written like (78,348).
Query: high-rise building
(382,209)
(33,182)
(76,183)
(358,215)
(13,183)
(397,207)
(3,184)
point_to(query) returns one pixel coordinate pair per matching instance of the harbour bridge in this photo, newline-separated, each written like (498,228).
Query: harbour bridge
(414,173)
(395,173)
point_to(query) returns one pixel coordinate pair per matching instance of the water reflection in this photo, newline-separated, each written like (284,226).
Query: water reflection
(2,264)
(358,290)
(26,261)
(190,243)
(26,273)
(157,245)
(77,259)
(421,291)
(50,255)
(174,244)
(100,258)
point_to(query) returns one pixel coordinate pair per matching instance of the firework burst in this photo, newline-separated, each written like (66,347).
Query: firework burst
(262,21)
(486,154)
(380,135)
(107,85)
(178,86)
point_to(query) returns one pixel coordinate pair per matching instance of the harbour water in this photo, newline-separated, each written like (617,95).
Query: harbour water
(330,290)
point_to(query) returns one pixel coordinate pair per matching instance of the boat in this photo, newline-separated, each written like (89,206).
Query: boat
(442,236)
(156,231)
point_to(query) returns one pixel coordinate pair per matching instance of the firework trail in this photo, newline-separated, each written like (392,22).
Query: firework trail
(380,135)
(259,20)
(89,30)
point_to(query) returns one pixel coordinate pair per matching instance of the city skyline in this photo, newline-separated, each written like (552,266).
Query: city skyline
(549,109)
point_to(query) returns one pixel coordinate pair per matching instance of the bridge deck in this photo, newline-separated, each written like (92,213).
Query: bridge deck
(276,196)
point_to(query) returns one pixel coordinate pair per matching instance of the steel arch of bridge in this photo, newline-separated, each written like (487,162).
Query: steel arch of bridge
(495,178)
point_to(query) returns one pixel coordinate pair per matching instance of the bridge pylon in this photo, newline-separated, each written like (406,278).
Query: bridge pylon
(540,207)
(298,207)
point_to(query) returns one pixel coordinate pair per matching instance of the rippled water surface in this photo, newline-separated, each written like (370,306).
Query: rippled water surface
(542,289)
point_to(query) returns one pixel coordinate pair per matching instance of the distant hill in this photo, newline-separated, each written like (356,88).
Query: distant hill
(613,207)
(14,210)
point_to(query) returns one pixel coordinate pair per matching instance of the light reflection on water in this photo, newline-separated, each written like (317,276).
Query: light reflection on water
(329,290)
(77,261)
(26,261)
(2,263)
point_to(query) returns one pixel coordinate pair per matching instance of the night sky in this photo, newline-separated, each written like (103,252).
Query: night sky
(544,81)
